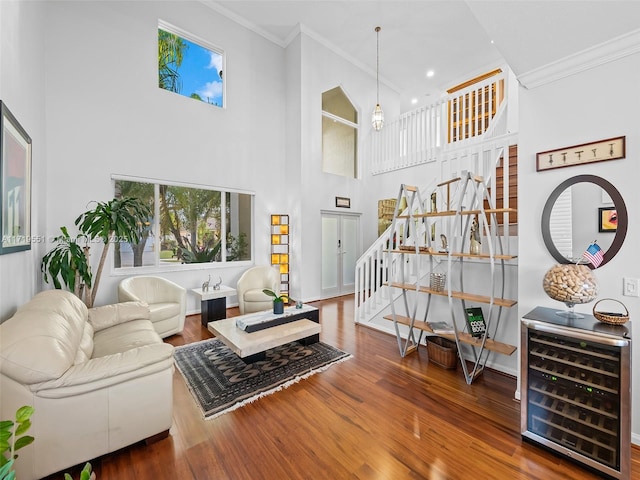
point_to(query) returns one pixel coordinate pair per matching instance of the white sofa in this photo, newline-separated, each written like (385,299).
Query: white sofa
(251,298)
(167,301)
(99,379)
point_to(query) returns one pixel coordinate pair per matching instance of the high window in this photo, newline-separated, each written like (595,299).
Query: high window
(339,134)
(189,225)
(190,66)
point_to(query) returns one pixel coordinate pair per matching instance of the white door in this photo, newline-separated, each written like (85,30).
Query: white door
(340,251)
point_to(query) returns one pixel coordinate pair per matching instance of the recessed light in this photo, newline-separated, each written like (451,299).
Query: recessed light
(430,73)
(414,101)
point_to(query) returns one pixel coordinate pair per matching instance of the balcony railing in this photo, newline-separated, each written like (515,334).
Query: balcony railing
(463,117)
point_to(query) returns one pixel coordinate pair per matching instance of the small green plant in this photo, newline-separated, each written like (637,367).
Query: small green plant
(85,474)
(200,254)
(276,298)
(12,439)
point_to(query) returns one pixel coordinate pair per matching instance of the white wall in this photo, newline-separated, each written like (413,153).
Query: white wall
(321,69)
(106,115)
(22,75)
(596,104)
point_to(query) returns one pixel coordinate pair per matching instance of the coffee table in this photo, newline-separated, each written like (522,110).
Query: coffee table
(251,347)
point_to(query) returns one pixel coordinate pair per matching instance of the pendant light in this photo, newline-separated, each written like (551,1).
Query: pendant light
(377,118)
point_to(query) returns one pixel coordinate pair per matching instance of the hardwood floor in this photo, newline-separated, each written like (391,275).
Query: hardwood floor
(375,416)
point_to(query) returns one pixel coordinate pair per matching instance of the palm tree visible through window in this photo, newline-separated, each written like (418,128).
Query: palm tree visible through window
(189,66)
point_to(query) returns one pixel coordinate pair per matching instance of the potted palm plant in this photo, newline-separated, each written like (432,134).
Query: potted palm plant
(278,301)
(118,220)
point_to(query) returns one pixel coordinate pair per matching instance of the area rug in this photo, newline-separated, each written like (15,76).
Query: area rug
(221,382)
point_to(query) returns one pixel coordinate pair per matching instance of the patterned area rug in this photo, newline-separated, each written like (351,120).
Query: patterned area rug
(221,382)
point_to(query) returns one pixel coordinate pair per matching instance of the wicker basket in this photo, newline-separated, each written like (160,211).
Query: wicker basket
(442,352)
(610,317)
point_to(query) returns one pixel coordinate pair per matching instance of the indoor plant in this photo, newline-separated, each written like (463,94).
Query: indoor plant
(278,300)
(118,220)
(10,442)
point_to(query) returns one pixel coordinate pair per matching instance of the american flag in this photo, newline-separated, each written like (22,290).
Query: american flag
(594,254)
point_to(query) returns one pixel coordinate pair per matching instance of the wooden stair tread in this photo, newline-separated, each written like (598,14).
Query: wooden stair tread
(493,345)
(501,302)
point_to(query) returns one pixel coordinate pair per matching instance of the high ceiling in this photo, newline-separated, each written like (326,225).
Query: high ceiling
(456,39)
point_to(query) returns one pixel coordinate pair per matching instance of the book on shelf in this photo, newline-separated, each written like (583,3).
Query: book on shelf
(475,321)
(441,327)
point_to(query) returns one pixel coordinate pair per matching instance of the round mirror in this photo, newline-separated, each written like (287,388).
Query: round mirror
(580,210)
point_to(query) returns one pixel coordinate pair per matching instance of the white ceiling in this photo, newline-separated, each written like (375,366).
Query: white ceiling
(456,39)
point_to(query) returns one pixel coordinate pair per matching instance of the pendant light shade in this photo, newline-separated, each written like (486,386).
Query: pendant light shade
(377,118)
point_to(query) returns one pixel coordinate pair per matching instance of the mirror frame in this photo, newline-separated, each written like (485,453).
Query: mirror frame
(618,202)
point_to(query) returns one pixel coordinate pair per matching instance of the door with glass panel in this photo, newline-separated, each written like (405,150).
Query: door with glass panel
(340,251)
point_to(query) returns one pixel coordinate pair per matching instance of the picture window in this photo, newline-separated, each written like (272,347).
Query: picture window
(190,66)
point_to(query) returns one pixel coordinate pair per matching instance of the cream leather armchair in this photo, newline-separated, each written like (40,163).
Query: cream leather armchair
(167,301)
(99,379)
(250,286)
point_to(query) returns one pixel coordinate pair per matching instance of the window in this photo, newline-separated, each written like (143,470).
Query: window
(190,225)
(339,134)
(189,66)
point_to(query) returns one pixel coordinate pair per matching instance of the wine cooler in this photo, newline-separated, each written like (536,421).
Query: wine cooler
(575,389)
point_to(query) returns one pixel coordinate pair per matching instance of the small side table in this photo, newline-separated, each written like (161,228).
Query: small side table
(213,303)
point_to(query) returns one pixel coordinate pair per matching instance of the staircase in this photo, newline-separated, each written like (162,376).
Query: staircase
(447,140)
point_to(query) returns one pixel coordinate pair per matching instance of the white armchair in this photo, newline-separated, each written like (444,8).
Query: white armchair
(99,379)
(167,301)
(250,285)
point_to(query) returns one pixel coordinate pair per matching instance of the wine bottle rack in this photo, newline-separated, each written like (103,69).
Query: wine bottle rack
(576,394)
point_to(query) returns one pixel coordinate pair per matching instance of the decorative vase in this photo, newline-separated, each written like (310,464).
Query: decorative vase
(571,284)
(278,307)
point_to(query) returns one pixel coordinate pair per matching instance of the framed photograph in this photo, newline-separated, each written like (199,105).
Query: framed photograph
(343,202)
(607,219)
(600,151)
(15,184)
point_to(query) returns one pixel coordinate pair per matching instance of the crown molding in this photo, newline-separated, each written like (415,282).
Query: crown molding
(244,22)
(303,29)
(609,51)
(299,29)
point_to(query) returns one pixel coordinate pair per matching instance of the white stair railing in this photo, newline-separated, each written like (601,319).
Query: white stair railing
(462,118)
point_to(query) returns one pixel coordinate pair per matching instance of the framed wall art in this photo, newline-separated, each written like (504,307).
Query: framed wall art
(15,184)
(600,151)
(343,202)
(607,219)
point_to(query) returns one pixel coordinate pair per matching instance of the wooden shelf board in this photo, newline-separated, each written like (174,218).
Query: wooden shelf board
(501,302)
(457,255)
(494,346)
(450,213)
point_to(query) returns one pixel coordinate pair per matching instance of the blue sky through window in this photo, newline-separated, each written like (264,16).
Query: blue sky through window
(201,73)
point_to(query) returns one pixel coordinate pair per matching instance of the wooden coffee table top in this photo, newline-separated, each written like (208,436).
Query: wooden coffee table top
(245,344)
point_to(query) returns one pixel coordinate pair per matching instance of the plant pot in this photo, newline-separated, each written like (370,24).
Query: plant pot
(278,307)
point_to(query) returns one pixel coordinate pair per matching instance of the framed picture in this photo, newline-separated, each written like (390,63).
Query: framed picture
(15,184)
(607,219)
(343,202)
(600,151)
